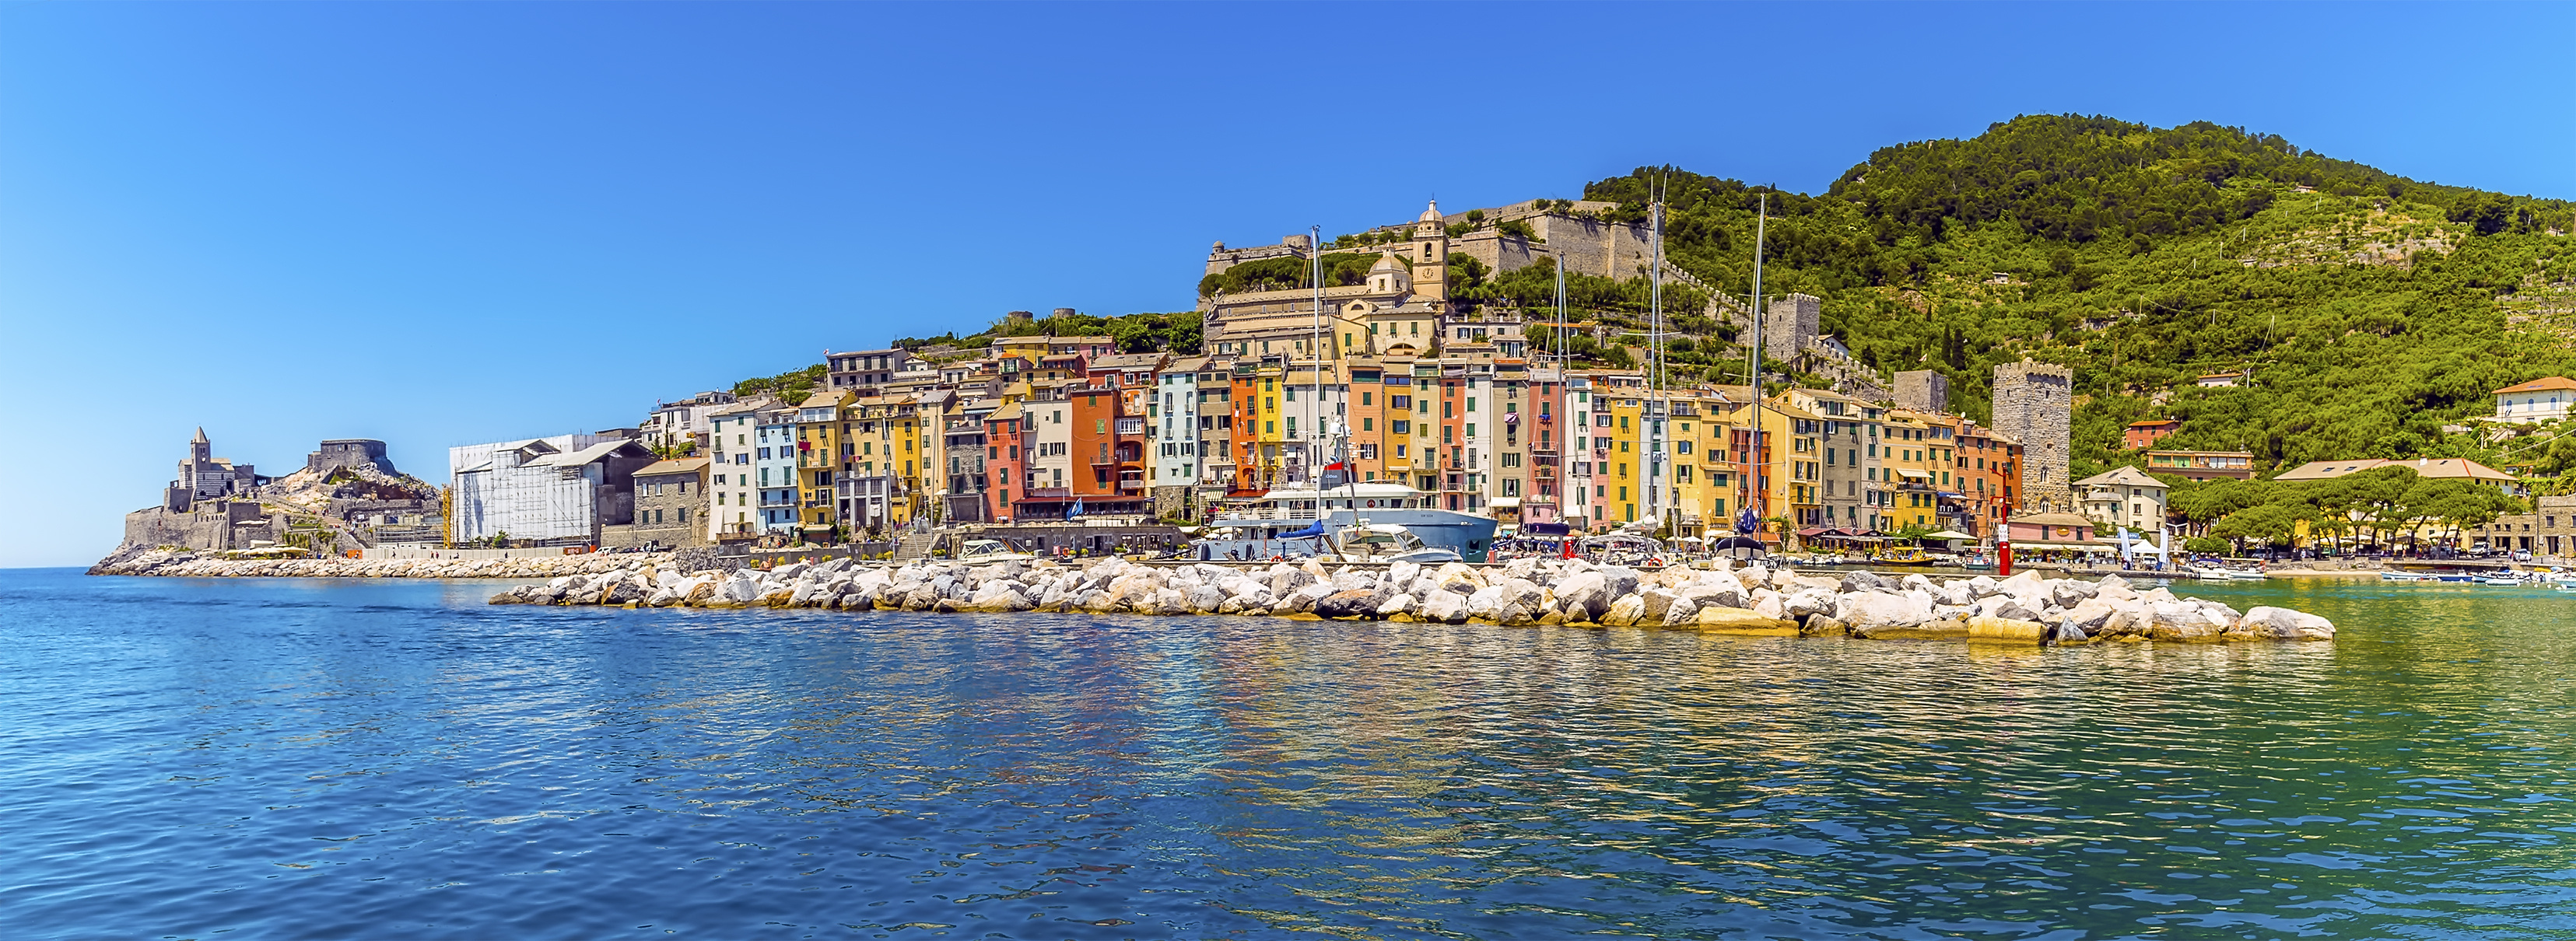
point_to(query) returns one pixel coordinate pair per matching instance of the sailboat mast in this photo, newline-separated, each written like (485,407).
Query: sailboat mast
(1753,461)
(1564,331)
(1315,349)
(1653,421)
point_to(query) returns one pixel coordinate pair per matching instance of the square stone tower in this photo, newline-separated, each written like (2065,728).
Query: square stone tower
(2035,402)
(1790,325)
(1923,390)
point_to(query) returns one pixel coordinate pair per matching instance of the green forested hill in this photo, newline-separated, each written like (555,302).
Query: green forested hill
(2372,310)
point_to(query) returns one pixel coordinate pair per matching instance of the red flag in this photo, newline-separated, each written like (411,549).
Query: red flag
(1336,465)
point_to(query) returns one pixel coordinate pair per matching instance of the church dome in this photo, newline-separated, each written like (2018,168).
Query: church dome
(1430,213)
(1386,261)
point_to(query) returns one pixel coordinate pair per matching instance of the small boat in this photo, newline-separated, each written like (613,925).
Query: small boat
(1386,542)
(2403,577)
(2501,580)
(1905,556)
(2569,587)
(2213,573)
(2457,578)
(977,551)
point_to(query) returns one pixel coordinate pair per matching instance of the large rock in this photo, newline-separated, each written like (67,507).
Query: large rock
(1872,610)
(2185,621)
(2027,586)
(2009,608)
(1304,599)
(1397,603)
(1718,619)
(2006,629)
(1865,581)
(1654,605)
(1625,611)
(2089,615)
(1447,607)
(1000,595)
(1941,629)
(623,591)
(1583,597)
(1807,602)
(2269,623)
(1618,581)
(1348,604)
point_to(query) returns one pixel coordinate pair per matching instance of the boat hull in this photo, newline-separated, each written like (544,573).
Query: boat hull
(1471,537)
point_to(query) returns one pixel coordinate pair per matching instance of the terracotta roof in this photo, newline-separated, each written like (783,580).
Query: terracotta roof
(2123,476)
(2053,519)
(677,465)
(2449,467)
(2155,422)
(2539,385)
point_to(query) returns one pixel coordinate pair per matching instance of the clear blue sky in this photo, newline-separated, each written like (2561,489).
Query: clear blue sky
(437,224)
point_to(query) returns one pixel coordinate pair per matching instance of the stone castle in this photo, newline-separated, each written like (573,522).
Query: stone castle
(219,504)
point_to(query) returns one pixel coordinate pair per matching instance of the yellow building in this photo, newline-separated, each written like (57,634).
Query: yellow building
(1706,474)
(1795,484)
(1620,479)
(1916,455)
(822,436)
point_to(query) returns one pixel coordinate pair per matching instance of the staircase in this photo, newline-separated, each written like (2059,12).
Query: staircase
(915,546)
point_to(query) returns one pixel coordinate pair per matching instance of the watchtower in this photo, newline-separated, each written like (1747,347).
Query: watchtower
(2035,403)
(1923,390)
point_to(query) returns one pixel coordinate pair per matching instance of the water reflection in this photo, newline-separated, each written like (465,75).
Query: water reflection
(432,766)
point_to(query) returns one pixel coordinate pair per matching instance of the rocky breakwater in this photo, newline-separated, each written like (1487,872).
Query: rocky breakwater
(2023,609)
(180,563)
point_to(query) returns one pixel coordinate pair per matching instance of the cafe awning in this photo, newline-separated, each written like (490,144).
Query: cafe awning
(2061,547)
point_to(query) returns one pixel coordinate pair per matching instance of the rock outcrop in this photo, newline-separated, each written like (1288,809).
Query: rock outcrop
(1757,601)
(181,563)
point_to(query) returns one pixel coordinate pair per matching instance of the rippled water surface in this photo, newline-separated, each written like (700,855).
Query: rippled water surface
(394,759)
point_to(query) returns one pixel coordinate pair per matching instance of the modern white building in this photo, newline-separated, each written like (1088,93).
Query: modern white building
(558,491)
(2536,401)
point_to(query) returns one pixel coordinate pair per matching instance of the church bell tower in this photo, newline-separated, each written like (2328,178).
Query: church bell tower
(1431,261)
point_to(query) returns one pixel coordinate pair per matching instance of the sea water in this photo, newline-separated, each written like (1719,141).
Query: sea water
(275,758)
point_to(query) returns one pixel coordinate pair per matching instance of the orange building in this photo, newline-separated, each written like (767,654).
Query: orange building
(2141,434)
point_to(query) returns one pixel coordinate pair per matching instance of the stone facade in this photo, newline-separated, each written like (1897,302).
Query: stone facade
(1791,325)
(203,476)
(2035,404)
(671,507)
(349,452)
(1923,390)
(2548,532)
(204,524)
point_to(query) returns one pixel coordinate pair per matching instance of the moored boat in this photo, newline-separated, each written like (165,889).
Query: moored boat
(1293,522)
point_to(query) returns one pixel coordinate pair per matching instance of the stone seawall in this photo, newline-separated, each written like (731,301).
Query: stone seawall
(2024,608)
(182,564)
